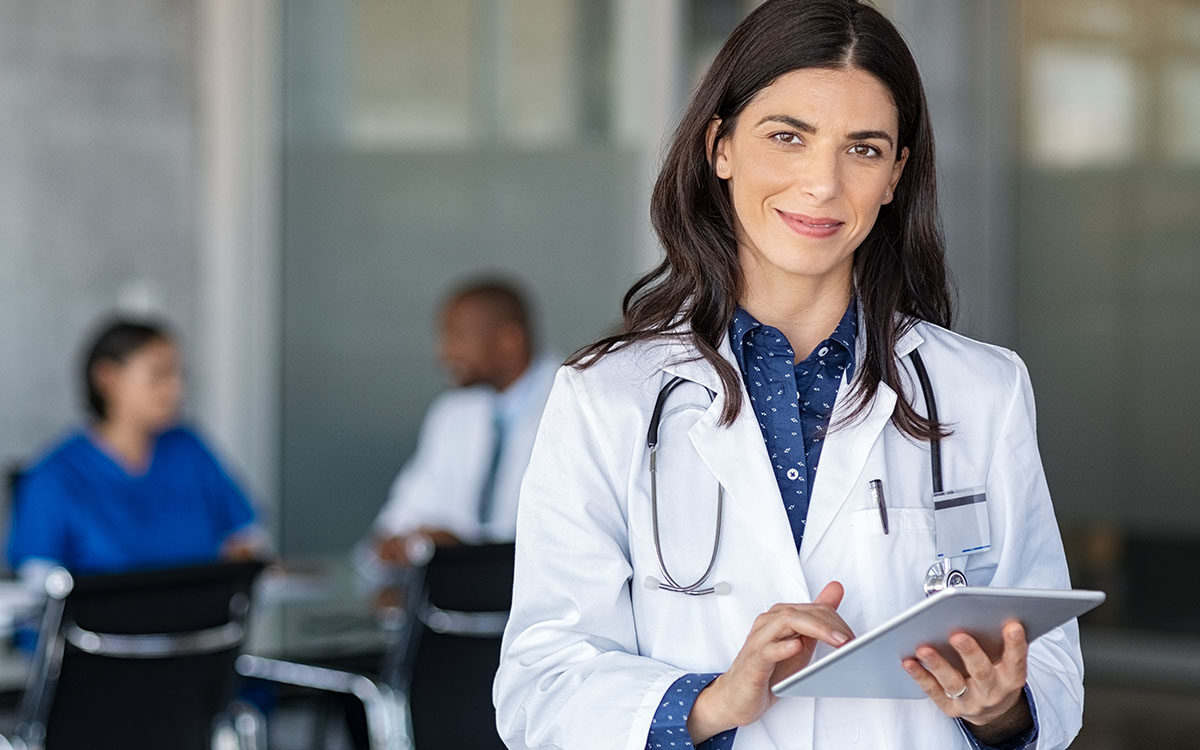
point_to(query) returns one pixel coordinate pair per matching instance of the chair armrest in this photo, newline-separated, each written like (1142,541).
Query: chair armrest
(156,645)
(469,624)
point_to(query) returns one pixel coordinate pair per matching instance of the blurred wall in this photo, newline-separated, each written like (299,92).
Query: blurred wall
(137,174)
(97,191)
(425,143)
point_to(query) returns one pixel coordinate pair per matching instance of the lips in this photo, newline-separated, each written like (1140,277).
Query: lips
(811,226)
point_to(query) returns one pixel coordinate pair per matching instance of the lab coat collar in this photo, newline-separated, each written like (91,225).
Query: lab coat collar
(519,397)
(848,445)
(737,456)
(683,360)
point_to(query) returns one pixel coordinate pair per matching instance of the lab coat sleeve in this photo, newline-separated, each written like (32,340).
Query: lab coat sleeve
(570,675)
(419,495)
(1032,557)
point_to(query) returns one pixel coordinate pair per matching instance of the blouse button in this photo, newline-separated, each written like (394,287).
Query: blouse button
(822,351)
(792,474)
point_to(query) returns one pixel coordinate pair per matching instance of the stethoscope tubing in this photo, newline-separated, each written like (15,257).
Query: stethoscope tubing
(697,588)
(669,583)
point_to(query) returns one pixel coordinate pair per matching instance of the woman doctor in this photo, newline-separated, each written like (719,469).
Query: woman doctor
(804,265)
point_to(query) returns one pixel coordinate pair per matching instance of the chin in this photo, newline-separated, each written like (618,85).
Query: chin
(467,380)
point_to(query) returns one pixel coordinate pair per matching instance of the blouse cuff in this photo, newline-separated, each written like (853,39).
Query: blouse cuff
(668,728)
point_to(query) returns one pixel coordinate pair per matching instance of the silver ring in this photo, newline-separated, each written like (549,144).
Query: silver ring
(959,694)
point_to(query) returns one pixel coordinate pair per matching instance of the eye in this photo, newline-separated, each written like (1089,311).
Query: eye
(865,150)
(786,138)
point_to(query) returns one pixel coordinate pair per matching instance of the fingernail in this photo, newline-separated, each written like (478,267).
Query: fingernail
(840,638)
(909,666)
(959,641)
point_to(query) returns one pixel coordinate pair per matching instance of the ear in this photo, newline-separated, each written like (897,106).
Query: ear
(104,375)
(897,170)
(716,152)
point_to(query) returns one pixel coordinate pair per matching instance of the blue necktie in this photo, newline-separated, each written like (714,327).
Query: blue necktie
(487,497)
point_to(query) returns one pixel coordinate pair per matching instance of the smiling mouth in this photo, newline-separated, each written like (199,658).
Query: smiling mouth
(812,226)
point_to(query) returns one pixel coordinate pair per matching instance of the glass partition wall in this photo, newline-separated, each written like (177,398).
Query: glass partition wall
(1109,322)
(426,142)
(1109,227)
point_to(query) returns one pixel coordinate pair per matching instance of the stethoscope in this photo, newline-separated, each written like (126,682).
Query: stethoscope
(941,574)
(668,582)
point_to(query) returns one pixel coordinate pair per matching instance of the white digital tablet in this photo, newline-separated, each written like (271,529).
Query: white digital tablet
(869,665)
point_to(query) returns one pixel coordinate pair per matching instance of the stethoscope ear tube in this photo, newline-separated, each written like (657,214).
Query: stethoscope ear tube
(935,443)
(656,415)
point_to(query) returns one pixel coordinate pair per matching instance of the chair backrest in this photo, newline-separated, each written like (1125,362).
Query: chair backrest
(14,473)
(137,660)
(460,609)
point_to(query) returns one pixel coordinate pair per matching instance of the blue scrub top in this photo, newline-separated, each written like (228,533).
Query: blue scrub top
(80,508)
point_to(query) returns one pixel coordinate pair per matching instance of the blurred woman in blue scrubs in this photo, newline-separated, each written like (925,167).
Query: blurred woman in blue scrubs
(134,488)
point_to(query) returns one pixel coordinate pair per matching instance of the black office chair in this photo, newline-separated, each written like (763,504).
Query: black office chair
(434,687)
(447,662)
(137,660)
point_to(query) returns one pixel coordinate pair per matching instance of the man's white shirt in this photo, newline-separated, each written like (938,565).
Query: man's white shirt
(441,485)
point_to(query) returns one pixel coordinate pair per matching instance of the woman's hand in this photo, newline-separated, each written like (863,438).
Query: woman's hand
(994,701)
(781,641)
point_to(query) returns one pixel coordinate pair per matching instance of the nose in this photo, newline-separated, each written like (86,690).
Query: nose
(821,176)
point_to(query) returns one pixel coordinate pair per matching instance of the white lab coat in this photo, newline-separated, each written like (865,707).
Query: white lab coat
(589,650)
(441,484)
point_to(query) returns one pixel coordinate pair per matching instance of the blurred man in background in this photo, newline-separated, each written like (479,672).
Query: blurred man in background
(461,483)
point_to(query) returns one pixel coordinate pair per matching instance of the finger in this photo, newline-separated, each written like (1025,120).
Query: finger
(926,681)
(819,622)
(1014,661)
(978,663)
(943,671)
(781,650)
(831,595)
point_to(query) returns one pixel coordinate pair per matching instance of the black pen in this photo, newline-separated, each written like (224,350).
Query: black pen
(877,496)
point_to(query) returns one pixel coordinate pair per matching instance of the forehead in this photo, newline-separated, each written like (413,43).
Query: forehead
(155,350)
(839,97)
(464,311)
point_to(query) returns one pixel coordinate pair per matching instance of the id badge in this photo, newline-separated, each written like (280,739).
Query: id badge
(961,523)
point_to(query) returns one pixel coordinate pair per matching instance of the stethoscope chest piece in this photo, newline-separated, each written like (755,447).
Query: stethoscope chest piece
(941,576)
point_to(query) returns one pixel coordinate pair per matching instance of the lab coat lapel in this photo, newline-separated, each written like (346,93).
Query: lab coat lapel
(848,448)
(737,457)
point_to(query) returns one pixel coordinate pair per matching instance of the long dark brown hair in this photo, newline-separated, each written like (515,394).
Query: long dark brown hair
(899,268)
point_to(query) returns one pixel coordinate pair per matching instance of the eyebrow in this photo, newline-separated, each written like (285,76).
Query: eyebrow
(804,127)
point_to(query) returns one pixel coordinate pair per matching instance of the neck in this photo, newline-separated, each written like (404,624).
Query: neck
(804,308)
(503,378)
(130,442)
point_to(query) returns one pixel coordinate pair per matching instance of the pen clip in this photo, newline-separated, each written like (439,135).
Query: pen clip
(877,495)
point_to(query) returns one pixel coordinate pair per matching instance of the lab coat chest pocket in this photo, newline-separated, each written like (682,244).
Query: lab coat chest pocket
(892,566)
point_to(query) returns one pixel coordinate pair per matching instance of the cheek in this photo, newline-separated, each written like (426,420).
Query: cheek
(759,178)
(868,197)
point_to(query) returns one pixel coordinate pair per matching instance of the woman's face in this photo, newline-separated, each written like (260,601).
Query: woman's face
(809,163)
(145,389)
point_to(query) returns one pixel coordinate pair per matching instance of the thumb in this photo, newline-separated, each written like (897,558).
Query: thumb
(832,595)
